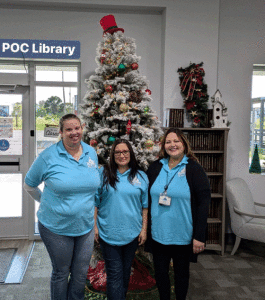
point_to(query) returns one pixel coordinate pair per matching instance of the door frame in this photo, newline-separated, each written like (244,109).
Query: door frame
(18,227)
(27,79)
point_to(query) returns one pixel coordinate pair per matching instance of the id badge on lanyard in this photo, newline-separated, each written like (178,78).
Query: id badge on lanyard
(164,199)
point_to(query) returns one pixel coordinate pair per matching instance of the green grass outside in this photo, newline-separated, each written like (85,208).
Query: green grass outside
(40,122)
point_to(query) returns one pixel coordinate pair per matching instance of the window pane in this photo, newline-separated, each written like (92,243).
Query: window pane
(11,195)
(257,121)
(56,73)
(50,106)
(22,69)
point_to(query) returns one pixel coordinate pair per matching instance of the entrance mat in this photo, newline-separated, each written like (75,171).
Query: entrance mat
(6,257)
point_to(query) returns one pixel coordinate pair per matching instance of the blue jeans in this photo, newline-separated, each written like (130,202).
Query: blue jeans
(69,256)
(118,262)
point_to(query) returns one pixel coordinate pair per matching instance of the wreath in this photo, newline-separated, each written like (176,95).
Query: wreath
(194,93)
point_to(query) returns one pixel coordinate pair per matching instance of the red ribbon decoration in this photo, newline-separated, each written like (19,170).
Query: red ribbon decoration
(194,76)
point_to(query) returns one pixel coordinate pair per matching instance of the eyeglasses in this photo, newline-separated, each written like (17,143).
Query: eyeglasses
(119,153)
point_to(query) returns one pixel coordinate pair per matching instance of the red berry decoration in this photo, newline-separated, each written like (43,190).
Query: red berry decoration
(148,92)
(93,143)
(134,66)
(109,88)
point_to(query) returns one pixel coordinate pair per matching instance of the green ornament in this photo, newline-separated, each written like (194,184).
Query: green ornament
(121,68)
(111,140)
(146,109)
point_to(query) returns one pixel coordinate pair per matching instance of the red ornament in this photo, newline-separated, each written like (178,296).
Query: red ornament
(148,92)
(93,143)
(109,88)
(134,66)
(128,127)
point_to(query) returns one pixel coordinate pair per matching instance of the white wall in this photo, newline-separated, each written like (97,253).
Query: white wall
(242,32)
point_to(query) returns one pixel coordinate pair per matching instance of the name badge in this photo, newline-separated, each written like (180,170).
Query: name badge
(164,199)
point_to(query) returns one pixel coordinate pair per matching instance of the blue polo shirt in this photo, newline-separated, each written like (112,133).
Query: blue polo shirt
(119,218)
(68,199)
(172,225)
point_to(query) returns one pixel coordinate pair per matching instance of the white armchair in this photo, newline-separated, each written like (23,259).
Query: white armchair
(247,218)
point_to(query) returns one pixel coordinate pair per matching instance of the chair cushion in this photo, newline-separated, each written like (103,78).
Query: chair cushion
(253,230)
(239,196)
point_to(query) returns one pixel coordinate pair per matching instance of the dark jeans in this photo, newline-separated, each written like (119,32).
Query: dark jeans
(69,256)
(162,255)
(118,262)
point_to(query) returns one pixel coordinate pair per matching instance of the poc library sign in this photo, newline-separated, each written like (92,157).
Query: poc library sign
(48,49)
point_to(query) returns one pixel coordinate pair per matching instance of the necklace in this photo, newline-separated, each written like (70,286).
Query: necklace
(77,155)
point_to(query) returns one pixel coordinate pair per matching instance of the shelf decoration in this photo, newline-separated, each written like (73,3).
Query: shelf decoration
(194,93)
(255,167)
(219,111)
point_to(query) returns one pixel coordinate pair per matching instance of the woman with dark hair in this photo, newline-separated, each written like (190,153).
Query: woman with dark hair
(179,197)
(69,170)
(121,214)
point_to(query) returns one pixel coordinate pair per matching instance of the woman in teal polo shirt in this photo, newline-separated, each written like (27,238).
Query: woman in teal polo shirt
(69,170)
(121,213)
(179,197)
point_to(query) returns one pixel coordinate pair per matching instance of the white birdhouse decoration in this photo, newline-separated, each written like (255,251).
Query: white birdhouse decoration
(219,111)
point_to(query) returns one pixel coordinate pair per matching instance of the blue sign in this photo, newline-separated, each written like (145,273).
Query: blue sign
(4,145)
(49,49)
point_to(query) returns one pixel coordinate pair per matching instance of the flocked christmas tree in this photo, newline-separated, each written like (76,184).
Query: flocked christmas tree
(117,103)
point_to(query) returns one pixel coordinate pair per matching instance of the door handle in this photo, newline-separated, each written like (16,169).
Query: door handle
(9,163)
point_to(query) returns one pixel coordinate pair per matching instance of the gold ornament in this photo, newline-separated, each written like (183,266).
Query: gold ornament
(124,107)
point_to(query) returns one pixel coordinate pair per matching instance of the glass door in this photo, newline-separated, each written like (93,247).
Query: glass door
(14,160)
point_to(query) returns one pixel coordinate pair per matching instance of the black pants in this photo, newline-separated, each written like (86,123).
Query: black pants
(162,255)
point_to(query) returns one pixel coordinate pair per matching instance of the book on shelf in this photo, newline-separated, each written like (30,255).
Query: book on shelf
(173,117)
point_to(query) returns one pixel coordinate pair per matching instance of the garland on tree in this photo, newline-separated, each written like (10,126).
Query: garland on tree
(194,93)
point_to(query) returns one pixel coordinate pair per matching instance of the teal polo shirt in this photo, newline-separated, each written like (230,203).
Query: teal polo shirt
(172,225)
(68,199)
(119,218)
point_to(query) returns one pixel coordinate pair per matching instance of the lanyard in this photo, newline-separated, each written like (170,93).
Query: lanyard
(166,186)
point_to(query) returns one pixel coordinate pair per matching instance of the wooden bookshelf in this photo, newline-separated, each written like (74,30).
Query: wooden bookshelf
(210,147)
